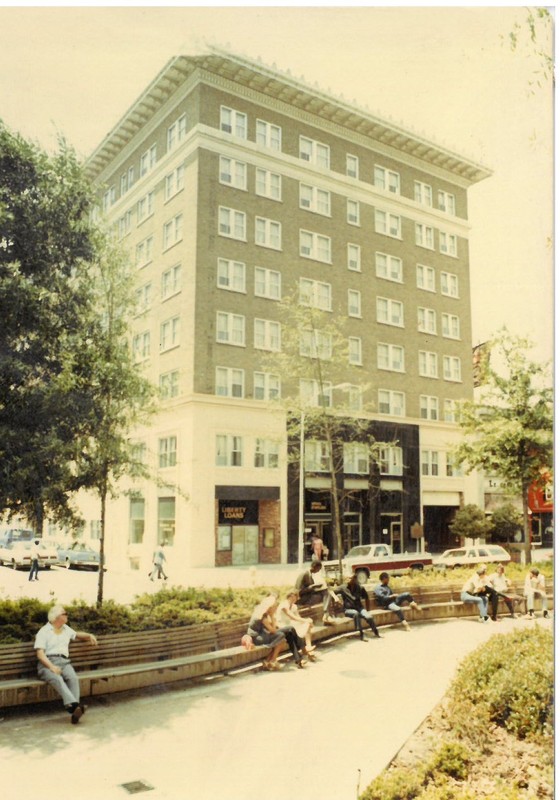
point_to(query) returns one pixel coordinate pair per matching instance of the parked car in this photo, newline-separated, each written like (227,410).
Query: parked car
(367,558)
(472,556)
(16,535)
(18,554)
(77,555)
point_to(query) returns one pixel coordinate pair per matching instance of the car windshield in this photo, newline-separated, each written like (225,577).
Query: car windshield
(360,550)
(497,551)
(453,554)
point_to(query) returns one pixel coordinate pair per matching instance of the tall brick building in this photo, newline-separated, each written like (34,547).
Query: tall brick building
(232,184)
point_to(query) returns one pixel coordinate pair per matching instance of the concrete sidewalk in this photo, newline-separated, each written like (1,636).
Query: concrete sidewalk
(318,731)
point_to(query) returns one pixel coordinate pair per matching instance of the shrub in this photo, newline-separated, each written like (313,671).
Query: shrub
(452,759)
(396,784)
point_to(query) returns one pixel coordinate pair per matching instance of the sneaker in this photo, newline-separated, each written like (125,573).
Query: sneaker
(303,663)
(76,714)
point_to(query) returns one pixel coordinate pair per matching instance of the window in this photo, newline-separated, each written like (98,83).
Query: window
(314,152)
(451,368)
(268,233)
(450,411)
(267,335)
(268,283)
(232,223)
(231,275)
(315,294)
(233,173)
(230,382)
(124,224)
(355,351)
(310,393)
(427,320)
(315,344)
(148,160)
(234,122)
(268,184)
(390,356)
(429,460)
(390,312)
(429,407)
(230,328)
(269,135)
(356,458)
(143,297)
(449,284)
(352,166)
(387,179)
(145,207)
(109,197)
(169,333)
(389,267)
(452,470)
(423,193)
(354,257)
(390,402)
(425,278)
(387,224)
(266,454)
(354,303)
(314,199)
(174,182)
(448,243)
(317,456)
(315,246)
(136,520)
(354,398)
(352,212)
(266,386)
(173,231)
(127,180)
(427,364)
(424,235)
(141,346)
(169,384)
(450,326)
(167,451)
(391,461)
(171,282)
(176,132)
(229,450)
(446,202)
(144,251)
(166,520)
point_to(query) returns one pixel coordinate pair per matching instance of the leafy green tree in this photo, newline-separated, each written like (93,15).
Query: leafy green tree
(507,523)
(509,430)
(46,246)
(470,522)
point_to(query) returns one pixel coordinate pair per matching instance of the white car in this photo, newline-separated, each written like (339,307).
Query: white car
(18,554)
(472,556)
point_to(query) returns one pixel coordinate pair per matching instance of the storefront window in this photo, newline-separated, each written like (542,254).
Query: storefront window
(136,517)
(166,520)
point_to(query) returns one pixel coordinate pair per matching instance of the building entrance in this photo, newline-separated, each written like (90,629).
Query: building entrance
(244,545)
(392,530)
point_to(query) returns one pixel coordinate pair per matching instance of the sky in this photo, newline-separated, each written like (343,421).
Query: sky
(446,73)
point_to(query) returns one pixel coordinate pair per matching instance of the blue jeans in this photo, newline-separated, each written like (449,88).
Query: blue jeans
(358,616)
(395,605)
(480,600)
(67,684)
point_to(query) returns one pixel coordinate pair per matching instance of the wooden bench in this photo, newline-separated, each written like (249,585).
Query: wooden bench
(127,661)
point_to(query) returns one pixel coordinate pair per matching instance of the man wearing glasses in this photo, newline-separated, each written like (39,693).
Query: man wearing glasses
(51,644)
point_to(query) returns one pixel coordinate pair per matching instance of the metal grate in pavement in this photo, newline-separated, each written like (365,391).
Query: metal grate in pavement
(133,787)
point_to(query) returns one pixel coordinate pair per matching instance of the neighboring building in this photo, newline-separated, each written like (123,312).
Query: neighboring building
(231,183)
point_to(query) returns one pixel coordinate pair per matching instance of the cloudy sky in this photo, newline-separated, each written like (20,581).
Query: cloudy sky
(447,73)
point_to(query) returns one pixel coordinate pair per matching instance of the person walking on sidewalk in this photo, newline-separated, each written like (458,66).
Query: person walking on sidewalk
(386,598)
(34,554)
(158,560)
(54,667)
(354,597)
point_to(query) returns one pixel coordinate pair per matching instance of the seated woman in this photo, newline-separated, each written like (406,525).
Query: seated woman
(263,630)
(287,615)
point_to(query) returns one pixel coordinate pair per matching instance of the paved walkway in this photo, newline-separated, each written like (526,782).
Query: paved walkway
(315,732)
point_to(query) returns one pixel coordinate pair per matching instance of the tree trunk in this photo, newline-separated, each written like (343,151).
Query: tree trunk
(102,548)
(526,523)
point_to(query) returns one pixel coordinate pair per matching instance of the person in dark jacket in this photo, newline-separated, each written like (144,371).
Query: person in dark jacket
(354,597)
(386,598)
(313,589)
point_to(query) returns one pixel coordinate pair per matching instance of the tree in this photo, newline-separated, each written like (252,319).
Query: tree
(46,247)
(509,430)
(507,523)
(470,522)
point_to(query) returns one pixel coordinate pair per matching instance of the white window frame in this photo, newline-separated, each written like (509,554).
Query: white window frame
(267,335)
(268,184)
(425,278)
(386,179)
(429,407)
(231,275)
(448,244)
(389,312)
(352,211)
(233,173)
(232,223)
(268,135)
(427,320)
(230,328)
(452,369)
(390,357)
(109,198)
(176,132)
(169,384)
(143,297)
(268,283)
(429,461)
(171,281)
(314,152)
(266,386)
(354,303)
(169,333)
(449,410)
(446,202)
(141,346)
(174,182)
(148,160)
(352,166)
(388,267)
(229,450)
(230,382)
(355,351)
(393,401)
(355,458)
(315,344)
(145,207)
(167,452)
(423,193)
(424,235)
(315,246)
(315,199)
(391,460)
(144,252)
(316,456)
(268,233)
(427,364)
(233,122)
(309,392)
(450,326)
(315,294)
(172,231)
(449,284)
(354,397)
(267,453)
(125,224)
(127,180)
(354,257)
(388,224)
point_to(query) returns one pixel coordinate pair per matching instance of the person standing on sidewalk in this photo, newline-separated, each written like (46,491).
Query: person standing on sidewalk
(55,668)
(387,599)
(158,560)
(354,597)
(34,553)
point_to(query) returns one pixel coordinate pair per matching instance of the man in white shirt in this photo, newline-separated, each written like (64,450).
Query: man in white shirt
(502,585)
(535,587)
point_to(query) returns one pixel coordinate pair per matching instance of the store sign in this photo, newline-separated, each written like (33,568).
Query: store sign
(238,512)
(317,504)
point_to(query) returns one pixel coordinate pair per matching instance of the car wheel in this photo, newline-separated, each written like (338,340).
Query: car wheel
(416,568)
(457,566)
(362,576)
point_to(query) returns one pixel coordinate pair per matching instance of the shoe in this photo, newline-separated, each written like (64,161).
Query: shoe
(363,639)
(76,714)
(311,657)
(545,614)
(83,707)
(406,626)
(302,663)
